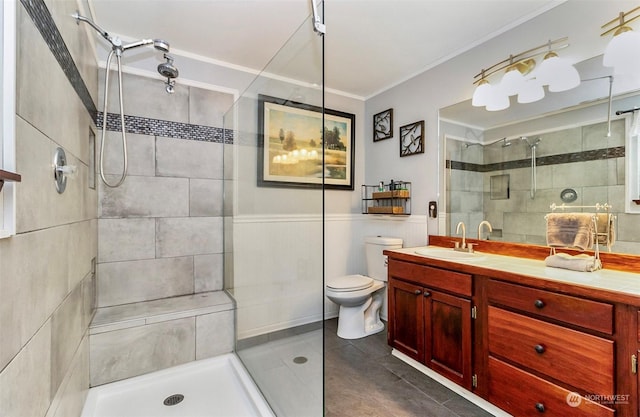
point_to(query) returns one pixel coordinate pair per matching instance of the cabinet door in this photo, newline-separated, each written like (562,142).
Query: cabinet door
(406,326)
(448,336)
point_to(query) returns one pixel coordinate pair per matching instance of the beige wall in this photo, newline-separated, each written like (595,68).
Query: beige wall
(46,271)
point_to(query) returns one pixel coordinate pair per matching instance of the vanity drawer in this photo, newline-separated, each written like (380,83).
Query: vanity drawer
(523,394)
(435,278)
(573,310)
(581,360)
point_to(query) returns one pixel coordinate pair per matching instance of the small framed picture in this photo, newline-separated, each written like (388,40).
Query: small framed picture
(412,139)
(383,125)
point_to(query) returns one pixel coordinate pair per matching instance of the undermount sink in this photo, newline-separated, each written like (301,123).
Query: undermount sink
(444,253)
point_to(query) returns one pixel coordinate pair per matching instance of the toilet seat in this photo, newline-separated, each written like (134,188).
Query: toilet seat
(349,283)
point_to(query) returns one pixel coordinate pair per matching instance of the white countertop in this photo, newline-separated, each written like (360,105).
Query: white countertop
(604,279)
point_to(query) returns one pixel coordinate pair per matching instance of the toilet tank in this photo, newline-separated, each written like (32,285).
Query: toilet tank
(376,261)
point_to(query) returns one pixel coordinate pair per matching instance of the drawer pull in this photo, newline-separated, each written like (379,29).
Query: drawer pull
(539,303)
(426,293)
(540,407)
(417,292)
(539,348)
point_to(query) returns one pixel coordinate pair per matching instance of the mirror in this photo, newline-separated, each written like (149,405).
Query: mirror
(509,167)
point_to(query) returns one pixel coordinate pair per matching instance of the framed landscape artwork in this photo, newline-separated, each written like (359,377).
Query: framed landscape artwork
(291,145)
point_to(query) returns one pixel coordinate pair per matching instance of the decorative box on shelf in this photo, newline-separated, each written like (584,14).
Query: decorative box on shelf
(392,198)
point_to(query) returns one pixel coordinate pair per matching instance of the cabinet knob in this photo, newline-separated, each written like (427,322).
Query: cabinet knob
(539,348)
(538,303)
(426,293)
(540,407)
(417,292)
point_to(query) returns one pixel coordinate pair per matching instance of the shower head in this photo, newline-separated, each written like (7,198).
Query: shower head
(167,69)
(161,45)
(530,144)
(504,141)
(116,43)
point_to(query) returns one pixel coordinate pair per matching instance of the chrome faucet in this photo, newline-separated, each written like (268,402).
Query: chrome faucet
(484,223)
(463,245)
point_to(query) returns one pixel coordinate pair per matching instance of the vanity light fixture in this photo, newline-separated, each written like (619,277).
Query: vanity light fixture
(482,92)
(524,79)
(621,52)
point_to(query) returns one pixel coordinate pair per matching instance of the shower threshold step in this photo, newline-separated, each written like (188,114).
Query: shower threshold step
(156,311)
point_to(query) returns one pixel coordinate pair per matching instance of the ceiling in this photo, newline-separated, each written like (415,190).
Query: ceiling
(394,39)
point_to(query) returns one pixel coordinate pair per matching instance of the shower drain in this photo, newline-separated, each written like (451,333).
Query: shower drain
(173,399)
(299,359)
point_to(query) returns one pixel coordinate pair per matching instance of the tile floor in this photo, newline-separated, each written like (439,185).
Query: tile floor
(361,379)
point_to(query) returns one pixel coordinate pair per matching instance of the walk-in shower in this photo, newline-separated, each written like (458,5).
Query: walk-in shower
(166,69)
(279,287)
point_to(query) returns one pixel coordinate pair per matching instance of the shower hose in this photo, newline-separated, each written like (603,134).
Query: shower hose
(117,53)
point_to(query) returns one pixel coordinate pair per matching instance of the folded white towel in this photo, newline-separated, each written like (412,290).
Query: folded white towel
(582,262)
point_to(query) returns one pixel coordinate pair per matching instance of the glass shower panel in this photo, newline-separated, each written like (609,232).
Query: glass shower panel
(274,225)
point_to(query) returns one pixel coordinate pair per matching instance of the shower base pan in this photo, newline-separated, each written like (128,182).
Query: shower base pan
(214,387)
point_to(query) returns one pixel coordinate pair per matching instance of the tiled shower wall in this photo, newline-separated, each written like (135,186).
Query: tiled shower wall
(46,273)
(160,232)
(580,158)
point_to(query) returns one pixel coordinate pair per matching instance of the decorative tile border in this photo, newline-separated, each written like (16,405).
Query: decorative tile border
(43,20)
(166,128)
(39,13)
(593,155)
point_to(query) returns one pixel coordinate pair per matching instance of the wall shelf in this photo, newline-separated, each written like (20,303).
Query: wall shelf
(393,198)
(8,176)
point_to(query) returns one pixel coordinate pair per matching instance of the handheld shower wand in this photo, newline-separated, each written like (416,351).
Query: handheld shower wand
(117,48)
(534,185)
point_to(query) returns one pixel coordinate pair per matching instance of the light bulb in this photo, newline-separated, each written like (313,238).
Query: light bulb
(512,81)
(621,52)
(531,91)
(497,100)
(481,94)
(544,73)
(557,73)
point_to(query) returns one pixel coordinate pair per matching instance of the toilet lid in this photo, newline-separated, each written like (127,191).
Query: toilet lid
(349,283)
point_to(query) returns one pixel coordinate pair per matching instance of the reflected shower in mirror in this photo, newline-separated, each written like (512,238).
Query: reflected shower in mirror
(542,157)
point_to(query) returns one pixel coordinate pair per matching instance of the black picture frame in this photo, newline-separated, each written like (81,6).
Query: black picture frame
(383,125)
(293,156)
(412,139)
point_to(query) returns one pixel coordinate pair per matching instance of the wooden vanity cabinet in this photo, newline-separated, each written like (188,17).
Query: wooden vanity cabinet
(534,346)
(406,318)
(534,341)
(430,318)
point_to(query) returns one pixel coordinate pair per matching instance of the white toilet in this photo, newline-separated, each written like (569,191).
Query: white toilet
(361,297)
